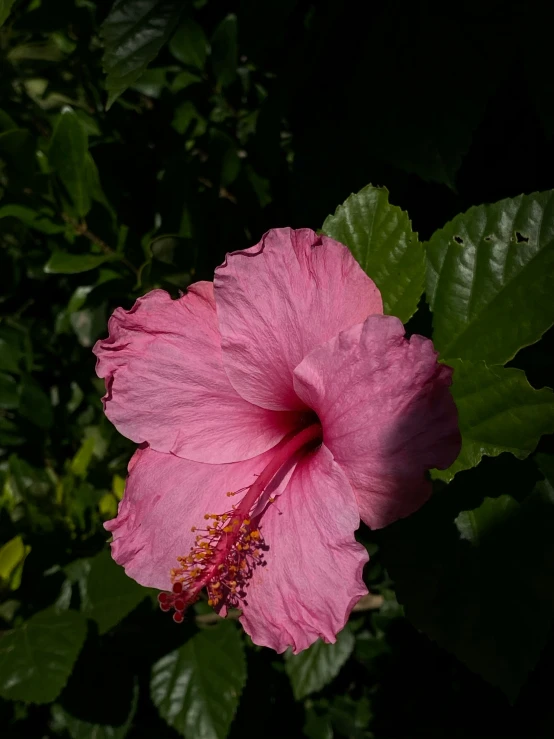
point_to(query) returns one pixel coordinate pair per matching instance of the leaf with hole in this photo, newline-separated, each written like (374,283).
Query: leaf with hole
(498,412)
(380,237)
(489,278)
(316,667)
(36,659)
(197,688)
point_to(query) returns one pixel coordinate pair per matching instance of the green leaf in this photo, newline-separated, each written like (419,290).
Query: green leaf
(39,220)
(134,32)
(36,659)
(185,115)
(489,274)
(5,8)
(151,82)
(184,79)
(12,558)
(225,50)
(81,461)
(69,264)
(67,156)
(314,668)
(498,412)
(189,45)
(380,237)
(197,688)
(110,594)
(479,582)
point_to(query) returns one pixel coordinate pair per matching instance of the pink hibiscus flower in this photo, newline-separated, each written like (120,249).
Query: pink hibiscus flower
(273,407)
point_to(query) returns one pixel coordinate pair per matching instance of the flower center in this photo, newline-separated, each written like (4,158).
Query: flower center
(230,547)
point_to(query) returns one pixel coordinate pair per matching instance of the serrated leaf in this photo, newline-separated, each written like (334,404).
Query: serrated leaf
(225,50)
(489,278)
(189,45)
(314,668)
(197,688)
(37,658)
(110,594)
(67,156)
(480,581)
(70,264)
(380,237)
(498,412)
(134,32)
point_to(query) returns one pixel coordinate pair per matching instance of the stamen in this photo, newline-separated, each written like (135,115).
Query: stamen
(226,552)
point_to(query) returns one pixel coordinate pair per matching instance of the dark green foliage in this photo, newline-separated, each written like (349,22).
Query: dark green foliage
(140,140)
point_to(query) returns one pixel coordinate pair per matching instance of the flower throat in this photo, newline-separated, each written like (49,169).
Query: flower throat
(230,546)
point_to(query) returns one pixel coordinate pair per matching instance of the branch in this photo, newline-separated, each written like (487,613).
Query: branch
(83,230)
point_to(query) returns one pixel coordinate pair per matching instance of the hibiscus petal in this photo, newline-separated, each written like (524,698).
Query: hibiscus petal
(313,576)
(279,300)
(164,498)
(166,384)
(386,411)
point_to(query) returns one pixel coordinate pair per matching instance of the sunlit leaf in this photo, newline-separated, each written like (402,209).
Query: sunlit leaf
(498,412)
(380,237)
(489,278)
(12,557)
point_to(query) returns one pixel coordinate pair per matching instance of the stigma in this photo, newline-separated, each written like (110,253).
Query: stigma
(224,556)
(229,547)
